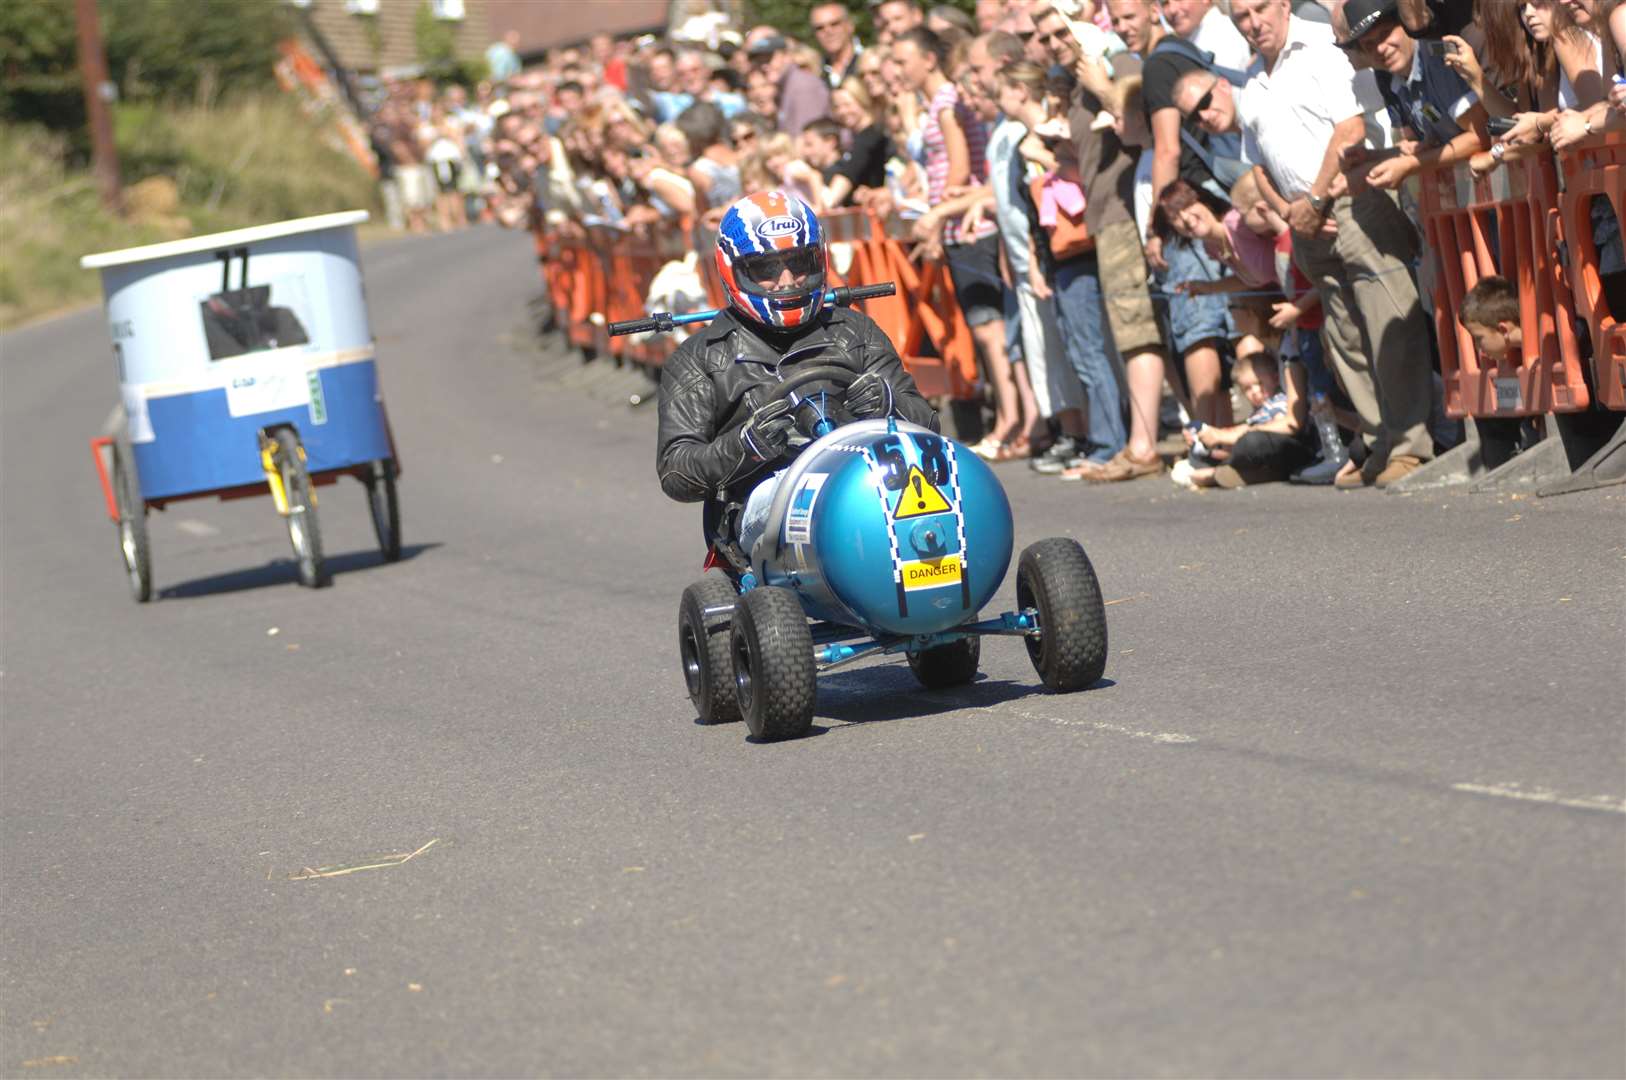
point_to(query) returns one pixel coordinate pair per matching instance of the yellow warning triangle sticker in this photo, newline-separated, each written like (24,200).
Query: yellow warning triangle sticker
(919,498)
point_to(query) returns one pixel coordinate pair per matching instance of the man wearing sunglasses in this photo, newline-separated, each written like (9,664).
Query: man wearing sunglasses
(722,431)
(833,30)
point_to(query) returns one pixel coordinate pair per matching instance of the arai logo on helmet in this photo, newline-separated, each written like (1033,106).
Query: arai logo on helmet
(776,227)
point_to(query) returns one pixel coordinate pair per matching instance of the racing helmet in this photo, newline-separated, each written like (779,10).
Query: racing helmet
(760,237)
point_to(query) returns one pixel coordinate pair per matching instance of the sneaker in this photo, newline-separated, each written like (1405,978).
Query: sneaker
(1400,466)
(1319,474)
(1181,472)
(1063,454)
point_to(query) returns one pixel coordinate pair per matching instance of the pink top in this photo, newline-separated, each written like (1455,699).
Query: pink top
(937,161)
(1255,259)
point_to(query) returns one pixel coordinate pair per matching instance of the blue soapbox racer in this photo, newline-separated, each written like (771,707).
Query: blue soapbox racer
(882,537)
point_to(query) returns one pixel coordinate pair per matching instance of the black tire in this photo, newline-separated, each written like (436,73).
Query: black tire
(954,664)
(133,544)
(1070,651)
(703,644)
(304,533)
(774,679)
(385,508)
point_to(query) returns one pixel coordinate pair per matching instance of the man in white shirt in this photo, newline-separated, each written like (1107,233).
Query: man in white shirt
(1299,111)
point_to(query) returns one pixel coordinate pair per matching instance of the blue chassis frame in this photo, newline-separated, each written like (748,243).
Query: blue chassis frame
(829,654)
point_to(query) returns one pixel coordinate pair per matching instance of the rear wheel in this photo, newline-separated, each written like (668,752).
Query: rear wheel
(303,531)
(385,508)
(774,678)
(954,664)
(703,643)
(132,524)
(1055,576)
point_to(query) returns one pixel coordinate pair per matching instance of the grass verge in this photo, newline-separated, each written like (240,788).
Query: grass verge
(188,171)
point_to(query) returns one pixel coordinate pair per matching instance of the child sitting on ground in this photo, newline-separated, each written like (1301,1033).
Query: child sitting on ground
(1272,443)
(1490,314)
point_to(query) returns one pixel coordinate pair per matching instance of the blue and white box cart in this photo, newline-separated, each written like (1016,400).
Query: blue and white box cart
(246,366)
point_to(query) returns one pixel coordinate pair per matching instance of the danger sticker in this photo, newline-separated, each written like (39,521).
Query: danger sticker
(931,573)
(919,497)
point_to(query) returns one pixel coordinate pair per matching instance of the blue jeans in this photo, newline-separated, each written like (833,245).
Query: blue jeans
(1314,359)
(1193,319)
(1081,311)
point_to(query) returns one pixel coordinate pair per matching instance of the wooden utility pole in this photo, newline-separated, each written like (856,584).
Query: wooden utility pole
(99,92)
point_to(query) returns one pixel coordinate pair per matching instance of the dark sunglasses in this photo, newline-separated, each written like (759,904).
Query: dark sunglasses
(800,261)
(1203,103)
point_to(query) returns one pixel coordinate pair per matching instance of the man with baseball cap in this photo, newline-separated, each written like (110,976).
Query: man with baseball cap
(803,96)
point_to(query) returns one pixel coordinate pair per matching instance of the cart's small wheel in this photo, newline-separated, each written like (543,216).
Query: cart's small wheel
(385,507)
(1055,576)
(703,642)
(953,664)
(303,531)
(132,525)
(774,674)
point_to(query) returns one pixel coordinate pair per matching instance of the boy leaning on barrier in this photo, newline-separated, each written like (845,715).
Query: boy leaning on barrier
(1490,314)
(724,435)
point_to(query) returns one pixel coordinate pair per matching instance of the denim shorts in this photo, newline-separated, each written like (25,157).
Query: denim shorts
(1193,319)
(974,269)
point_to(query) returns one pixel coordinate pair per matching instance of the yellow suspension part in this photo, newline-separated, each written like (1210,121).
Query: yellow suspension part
(273,475)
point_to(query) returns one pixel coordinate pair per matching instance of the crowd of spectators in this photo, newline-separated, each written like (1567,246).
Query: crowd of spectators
(1157,216)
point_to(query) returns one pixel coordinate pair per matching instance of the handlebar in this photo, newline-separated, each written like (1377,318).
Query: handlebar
(664,322)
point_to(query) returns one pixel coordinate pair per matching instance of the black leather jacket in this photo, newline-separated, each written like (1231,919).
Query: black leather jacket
(717,378)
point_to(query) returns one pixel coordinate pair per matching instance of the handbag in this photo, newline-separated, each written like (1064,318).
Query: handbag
(1061,215)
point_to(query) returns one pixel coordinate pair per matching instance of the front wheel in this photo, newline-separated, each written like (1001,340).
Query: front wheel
(703,644)
(385,508)
(1070,649)
(132,525)
(774,678)
(954,664)
(303,531)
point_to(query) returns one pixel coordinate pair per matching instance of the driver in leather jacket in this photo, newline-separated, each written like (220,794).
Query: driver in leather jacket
(722,429)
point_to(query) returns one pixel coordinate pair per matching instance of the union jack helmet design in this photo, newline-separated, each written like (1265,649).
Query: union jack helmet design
(761,237)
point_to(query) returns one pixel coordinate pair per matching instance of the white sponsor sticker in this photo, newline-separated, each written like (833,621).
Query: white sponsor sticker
(261,386)
(799,515)
(137,422)
(1508,397)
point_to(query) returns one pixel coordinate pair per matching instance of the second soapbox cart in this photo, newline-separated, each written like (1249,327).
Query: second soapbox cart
(246,366)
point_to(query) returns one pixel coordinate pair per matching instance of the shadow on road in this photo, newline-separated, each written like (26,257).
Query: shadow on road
(280,572)
(877,694)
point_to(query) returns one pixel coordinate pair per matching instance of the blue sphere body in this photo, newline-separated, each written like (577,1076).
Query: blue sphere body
(888,527)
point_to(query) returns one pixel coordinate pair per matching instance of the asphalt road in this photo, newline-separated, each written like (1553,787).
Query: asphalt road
(1351,800)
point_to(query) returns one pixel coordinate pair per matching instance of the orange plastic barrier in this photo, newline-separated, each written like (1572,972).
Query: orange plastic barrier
(1529,221)
(1596,168)
(598,276)
(1500,224)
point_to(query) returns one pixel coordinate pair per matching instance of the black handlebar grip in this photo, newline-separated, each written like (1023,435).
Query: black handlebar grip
(660,322)
(851,294)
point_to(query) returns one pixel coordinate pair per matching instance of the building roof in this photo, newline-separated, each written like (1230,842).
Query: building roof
(545,24)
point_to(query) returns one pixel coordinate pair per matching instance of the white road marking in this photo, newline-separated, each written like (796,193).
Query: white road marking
(1513,791)
(194,527)
(1166,737)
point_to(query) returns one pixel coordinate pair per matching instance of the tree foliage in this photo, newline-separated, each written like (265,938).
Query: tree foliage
(156,50)
(790,16)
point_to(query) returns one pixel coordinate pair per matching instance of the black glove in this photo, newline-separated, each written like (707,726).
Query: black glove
(869,396)
(767,434)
